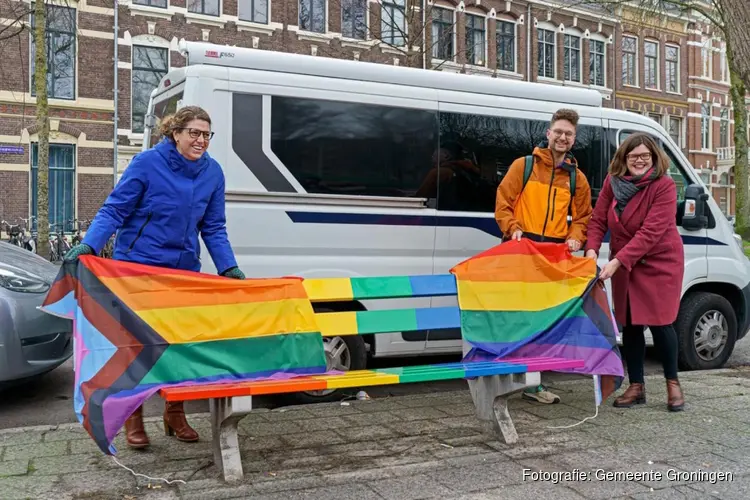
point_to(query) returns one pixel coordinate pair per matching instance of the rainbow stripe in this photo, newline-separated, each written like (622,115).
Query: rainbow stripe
(532,299)
(141,328)
(364,378)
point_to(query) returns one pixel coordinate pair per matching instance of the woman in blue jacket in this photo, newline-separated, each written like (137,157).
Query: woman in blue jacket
(167,195)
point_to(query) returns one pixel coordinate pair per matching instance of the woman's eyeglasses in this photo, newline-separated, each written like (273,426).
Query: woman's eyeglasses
(195,133)
(643,156)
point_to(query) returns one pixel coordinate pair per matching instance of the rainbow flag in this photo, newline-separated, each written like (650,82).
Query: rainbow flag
(523,299)
(139,328)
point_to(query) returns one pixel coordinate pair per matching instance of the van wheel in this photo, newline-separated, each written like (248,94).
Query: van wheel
(706,331)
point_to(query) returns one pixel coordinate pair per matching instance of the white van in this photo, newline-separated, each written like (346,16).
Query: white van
(331,171)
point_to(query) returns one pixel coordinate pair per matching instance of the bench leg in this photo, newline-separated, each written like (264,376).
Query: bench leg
(490,400)
(225,415)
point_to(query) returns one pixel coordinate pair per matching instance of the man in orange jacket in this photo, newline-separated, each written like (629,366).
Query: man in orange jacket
(546,198)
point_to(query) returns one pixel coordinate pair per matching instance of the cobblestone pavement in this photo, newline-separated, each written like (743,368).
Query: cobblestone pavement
(424,445)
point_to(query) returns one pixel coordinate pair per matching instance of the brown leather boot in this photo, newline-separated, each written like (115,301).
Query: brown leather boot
(675,399)
(175,423)
(134,431)
(634,395)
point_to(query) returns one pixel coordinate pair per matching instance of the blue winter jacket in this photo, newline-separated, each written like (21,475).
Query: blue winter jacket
(158,208)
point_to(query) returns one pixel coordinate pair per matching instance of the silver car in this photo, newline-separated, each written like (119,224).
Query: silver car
(31,342)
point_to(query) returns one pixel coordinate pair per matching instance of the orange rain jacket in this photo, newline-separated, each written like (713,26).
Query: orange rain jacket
(540,209)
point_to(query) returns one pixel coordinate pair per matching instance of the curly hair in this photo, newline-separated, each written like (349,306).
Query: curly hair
(172,123)
(619,165)
(565,114)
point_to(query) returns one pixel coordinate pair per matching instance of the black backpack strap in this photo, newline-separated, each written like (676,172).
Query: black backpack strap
(573,177)
(528,168)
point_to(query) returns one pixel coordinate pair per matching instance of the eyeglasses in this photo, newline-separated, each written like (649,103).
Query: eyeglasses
(643,156)
(566,133)
(195,133)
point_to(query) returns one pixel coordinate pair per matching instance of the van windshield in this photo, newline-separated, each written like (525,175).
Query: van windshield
(166,106)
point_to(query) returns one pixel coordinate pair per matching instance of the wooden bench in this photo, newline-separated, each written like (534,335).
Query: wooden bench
(490,383)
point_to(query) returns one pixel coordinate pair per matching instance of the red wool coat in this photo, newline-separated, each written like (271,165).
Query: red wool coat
(646,241)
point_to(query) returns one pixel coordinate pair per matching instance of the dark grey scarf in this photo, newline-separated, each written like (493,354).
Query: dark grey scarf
(627,186)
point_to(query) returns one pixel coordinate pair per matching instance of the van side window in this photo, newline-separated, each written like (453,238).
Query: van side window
(477,150)
(344,148)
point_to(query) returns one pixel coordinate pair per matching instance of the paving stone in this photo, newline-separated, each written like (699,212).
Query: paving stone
(736,489)
(88,445)
(417,427)
(421,413)
(383,404)
(23,451)
(368,432)
(410,488)
(64,435)
(596,489)
(287,413)
(252,443)
(676,493)
(707,463)
(534,490)
(312,439)
(242,491)
(260,429)
(14,468)
(318,424)
(362,449)
(477,477)
(358,491)
(106,483)
(16,438)
(63,464)
(371,418)
(25,487)
(333,410)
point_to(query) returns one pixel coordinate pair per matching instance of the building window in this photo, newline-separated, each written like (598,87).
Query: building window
(572,58)
(60,38)
(160,4)
(393,26)
(596,62)
(475,40)
(61,185)
(724,128)
(312,15)
(651,64)
(150,64)
(706,57)
(656,117)
(706,125)
(630,60)
(442,34)
(254,11)
(724,66)
(354,19)
(672,68)
(505,34)
(205,7)
(546,53)
(675,130)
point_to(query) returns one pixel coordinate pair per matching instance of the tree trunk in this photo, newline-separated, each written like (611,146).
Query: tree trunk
(42,115)
(742,209)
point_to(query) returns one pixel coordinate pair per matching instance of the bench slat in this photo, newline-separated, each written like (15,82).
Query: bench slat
(362,378)
(333,324)
(383,287)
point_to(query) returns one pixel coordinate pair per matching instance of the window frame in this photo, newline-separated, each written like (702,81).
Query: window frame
(706,126)
(203,12)
(53,172)
(50,60)
(150,3)
(603,55)
(133,69)
(474,29)
(505,37)
(437,39)
(648,61)
(390,25)
(252,5)
(312,3)
(567,57)
(541,54)
(632,65)
(667,63)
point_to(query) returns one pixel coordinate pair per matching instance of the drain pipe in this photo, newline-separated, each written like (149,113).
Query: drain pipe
(528,42)
(115,139)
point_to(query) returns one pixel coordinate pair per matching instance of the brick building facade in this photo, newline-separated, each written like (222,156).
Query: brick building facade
(652,71)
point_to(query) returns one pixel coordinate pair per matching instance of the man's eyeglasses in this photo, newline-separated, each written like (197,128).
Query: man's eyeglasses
(566,133)
(195,133)
(643,156)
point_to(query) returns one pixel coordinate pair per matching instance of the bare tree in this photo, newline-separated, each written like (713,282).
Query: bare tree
(731,18)
(55,62)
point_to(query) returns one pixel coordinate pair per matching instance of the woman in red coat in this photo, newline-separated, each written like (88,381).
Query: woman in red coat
(638,205)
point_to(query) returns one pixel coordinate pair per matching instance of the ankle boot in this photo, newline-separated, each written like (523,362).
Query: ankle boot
(175,423)
(134,432)
(675,399)
(634,395)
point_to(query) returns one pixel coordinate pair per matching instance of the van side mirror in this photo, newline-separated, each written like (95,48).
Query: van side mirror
(695,212)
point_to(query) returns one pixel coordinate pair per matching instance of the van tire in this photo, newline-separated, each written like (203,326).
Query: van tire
(357,353)
(695,306)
